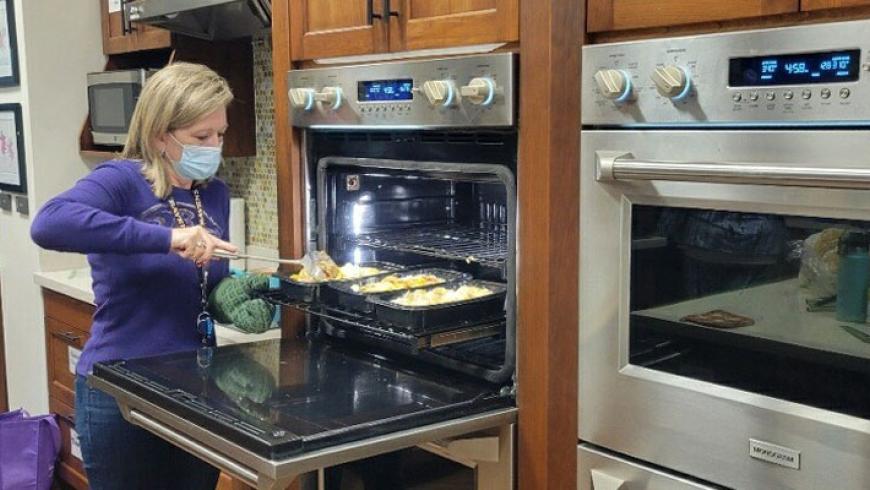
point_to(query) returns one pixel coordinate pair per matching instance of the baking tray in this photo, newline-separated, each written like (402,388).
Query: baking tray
(342,295)
(309,292)
(428,318)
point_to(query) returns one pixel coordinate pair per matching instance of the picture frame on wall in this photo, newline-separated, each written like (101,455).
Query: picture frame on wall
(13,174)
(8,46)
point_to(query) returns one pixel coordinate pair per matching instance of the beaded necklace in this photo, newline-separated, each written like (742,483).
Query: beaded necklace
(204,322)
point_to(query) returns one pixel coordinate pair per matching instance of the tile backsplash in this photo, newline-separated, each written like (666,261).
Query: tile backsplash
(254,178)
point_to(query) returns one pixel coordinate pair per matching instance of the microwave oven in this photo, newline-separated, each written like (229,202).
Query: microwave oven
(112,96)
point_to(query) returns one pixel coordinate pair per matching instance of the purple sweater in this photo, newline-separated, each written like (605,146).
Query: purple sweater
(147,298)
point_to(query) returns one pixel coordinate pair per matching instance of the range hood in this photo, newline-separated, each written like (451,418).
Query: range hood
(205,19)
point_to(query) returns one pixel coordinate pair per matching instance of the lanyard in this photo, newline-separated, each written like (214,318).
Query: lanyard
(204,322)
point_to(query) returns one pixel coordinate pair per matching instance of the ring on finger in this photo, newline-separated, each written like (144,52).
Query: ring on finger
(201,243)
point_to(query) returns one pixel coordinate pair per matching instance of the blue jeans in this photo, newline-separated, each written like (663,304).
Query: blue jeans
(119,455)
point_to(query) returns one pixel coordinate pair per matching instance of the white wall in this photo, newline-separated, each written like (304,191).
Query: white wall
(58,43)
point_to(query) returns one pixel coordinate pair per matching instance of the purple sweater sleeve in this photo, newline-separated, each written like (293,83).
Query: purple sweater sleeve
(90,218)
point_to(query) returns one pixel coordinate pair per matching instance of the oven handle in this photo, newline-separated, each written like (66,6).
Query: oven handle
(202,452)
(613,166)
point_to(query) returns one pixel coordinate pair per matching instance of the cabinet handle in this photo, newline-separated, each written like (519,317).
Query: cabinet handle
(388,9)
(126,23)
(69,337)
(71,419)
(370,7)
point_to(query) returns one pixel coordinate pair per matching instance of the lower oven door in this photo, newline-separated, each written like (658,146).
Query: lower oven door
(270,411)
(723,303)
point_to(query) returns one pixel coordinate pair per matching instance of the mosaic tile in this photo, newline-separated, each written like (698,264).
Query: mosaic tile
(254,178)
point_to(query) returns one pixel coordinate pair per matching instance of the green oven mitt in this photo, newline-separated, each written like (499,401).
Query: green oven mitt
(234,301)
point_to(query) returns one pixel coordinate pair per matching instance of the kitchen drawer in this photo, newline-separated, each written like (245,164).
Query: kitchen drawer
(69,469)
(71,311)
(63,344)
(599,469)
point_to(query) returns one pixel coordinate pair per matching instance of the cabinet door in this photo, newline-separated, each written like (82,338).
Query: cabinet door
(64,345)
(120,36)
(114,33)
(70,468)
(831,4)
(328,28)
(615,15)
(426,24)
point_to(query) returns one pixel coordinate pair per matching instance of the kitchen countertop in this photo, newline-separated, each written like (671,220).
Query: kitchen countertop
(76,283)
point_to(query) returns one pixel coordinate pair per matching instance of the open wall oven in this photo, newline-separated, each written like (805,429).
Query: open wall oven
(725,218)
(409,169)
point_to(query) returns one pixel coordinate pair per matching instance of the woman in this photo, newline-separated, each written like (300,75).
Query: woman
(150,224)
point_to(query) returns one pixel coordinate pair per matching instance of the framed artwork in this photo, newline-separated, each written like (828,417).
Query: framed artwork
(8,46)
(13,175)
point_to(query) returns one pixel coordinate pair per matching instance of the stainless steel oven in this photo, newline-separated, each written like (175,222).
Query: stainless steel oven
(409,169)
(725,214)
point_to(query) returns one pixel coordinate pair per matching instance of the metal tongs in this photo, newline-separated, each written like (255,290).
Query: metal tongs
(317,264)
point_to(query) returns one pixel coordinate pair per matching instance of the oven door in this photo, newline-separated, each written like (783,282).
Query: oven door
(723,301)
(268,412)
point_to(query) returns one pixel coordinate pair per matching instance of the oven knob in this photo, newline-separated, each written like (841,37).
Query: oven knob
(614,84)
(301,98)
(672,81)
(479,91)
(330,97)
(441,93)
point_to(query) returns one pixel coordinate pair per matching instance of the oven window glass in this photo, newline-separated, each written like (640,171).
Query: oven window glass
(108,108)
(772,304)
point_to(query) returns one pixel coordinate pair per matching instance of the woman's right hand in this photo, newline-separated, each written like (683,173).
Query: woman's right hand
(197,244)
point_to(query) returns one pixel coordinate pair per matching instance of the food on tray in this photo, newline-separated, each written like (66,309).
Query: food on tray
(346,272)
(395,282)
(719,319)
(441,295)
(320,266)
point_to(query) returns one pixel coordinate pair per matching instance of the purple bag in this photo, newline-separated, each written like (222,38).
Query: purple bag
(28,450)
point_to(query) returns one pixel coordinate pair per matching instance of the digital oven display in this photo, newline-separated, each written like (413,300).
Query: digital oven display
(795,69)
(385,90)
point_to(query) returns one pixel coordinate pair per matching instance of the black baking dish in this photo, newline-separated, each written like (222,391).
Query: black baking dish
(309,292)
(426,318)
(341,294)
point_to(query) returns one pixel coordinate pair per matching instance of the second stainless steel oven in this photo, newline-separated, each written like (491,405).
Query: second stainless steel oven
(725,225)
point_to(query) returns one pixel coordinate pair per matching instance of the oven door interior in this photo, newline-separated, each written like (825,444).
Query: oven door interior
(269,411)
(723,302)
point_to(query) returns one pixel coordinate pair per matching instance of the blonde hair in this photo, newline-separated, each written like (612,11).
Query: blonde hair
(175,97)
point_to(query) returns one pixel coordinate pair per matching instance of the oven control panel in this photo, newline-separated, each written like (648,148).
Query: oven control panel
(468,91)
(812,75)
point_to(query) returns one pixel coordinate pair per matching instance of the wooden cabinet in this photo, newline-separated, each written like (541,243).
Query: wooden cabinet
(64,344)
(326,28)
(426,24)
(329,28)
(122,36)
(615,15)
(67,328)
(70,468)
(831,4)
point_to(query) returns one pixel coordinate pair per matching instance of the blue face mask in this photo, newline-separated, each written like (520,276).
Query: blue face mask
(198,162)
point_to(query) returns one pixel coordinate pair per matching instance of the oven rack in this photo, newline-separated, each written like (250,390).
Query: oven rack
(463,349)
(412,343)
(486,245)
